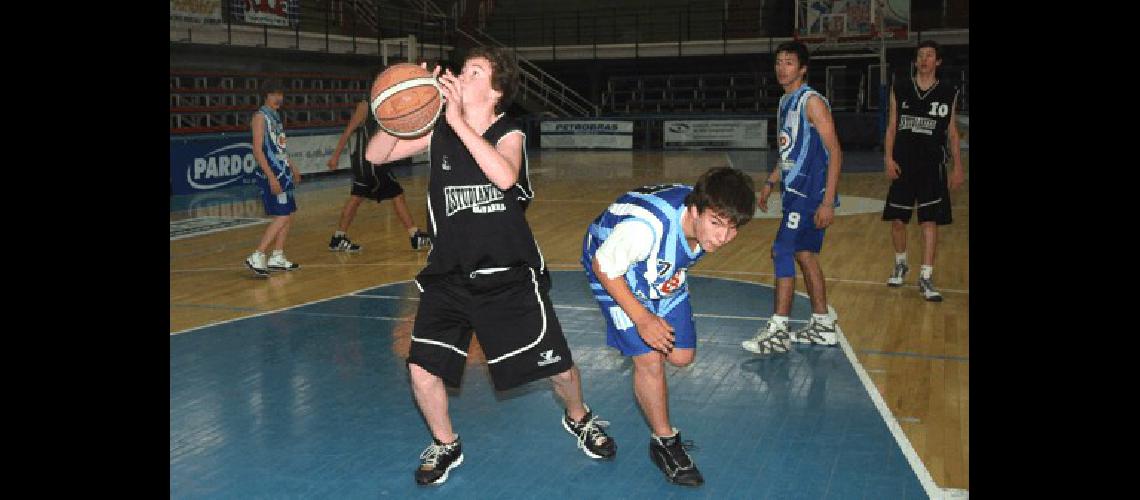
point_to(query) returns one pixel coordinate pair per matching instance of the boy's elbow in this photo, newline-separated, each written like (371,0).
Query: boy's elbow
(507,181)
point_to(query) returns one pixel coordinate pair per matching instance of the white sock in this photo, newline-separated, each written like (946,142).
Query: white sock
(339,234)
(823,319)
(278,253)
(413,231)
(781,321)
(900,258)
(927,271)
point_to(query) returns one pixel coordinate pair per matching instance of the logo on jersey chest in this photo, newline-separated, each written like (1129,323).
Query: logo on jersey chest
(444,164)
(784,143)
(674,283)
(917,124)
(480,199)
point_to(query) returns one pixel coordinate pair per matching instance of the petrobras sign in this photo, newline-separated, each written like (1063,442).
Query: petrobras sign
(594,134)
(702,134)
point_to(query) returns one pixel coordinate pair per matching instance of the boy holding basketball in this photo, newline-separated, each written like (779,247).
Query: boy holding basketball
(485,271)
(278,176)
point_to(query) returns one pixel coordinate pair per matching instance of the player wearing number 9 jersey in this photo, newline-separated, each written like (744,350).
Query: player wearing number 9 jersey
(808,170)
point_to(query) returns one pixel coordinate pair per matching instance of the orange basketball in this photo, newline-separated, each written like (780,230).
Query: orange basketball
(406,100)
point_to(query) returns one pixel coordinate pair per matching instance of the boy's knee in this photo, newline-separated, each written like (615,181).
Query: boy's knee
(681,357)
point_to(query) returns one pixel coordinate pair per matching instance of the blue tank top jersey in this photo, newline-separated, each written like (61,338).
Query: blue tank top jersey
(803,158)
(659,281)
(273,145)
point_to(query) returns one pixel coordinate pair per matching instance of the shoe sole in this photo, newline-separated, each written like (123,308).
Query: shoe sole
(347,250)
(812,342)
(894,285)
(765,353)
(276,268)
(445,473)
(937,298)
(746,348)
(260,273)
(583,447)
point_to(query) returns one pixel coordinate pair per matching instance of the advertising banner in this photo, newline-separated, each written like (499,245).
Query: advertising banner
(593,134)
(196,11)
(728,134)
(204,163)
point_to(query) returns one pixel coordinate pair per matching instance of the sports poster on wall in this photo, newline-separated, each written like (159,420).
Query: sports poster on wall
(196,11)
(269,12)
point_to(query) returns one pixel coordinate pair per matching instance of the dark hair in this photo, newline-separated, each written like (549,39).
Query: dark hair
(932,44)
(727,191)
(795,47)
(271,85)
(504,72)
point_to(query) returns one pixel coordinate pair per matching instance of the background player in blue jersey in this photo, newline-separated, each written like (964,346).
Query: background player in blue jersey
(809,163)
(922,134)
(276,182)
(636,255)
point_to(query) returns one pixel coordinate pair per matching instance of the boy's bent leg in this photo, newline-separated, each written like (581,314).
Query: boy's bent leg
(651,391)
(665,447)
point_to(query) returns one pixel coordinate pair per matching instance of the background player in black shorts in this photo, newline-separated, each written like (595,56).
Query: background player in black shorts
(370,181)
(485,271)
(922,135)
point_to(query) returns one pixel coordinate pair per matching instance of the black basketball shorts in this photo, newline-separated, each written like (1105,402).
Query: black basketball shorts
(511,314)
(920,186)
(374,182)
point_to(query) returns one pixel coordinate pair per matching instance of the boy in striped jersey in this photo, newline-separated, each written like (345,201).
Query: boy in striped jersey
(636,254)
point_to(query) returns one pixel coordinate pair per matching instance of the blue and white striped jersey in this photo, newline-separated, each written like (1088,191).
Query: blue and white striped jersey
(658,282)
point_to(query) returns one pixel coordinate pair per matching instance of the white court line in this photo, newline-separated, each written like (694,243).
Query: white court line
(568,267)
(306,266)
(916,464)
(705,274)
(924,477)
(215,230)
(216,323)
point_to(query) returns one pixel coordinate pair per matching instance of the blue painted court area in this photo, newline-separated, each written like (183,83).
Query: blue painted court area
(314,402)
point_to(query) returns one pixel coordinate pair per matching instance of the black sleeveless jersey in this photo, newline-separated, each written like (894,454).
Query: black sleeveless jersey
(923,117)
(363,134)
(476,225)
